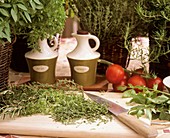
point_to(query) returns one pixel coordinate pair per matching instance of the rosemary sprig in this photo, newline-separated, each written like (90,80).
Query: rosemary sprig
(63,101)
(156,13)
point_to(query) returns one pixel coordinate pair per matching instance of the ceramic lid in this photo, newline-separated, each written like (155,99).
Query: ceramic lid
(82,32)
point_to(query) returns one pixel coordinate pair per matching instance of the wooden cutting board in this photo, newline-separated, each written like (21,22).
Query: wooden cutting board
(40,125)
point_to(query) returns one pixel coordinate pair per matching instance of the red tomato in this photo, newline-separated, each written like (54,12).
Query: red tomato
(123,82)
(139,71)
(116,87)
(115,73)
(137,80)
(156,80)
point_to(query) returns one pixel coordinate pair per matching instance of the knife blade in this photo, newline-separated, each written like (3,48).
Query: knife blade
(122,114)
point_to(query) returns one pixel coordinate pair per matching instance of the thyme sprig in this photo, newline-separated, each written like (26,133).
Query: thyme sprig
(108,18)
(64,102)
(151,102)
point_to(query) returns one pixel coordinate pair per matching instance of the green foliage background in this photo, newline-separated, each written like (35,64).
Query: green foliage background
(108,18)
(156,13)
(35,18)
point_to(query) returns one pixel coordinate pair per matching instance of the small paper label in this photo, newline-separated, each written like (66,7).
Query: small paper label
(40,68)
(81,69)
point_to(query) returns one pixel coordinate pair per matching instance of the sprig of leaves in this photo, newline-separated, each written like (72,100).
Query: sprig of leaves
(15,15)
(151,103)
(157,14)
(63,101)
(37,19)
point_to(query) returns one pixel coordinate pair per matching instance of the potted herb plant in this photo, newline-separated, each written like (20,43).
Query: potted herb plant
(157,15)
(45,23)
(37,19)
(114,22)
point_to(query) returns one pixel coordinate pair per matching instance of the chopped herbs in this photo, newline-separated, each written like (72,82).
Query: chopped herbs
(64,101)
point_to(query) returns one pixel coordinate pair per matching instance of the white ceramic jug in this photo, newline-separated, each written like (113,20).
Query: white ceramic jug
(83,49)
(42,63)
(83,59)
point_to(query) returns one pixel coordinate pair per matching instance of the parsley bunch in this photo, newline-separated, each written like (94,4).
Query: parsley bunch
(152,103)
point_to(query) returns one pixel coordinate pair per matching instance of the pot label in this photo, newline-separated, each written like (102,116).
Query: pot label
(81,69)
(40,68)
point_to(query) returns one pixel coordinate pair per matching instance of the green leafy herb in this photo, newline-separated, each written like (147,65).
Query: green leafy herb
(157,14)
(152,103)
(36,19)
(63,101)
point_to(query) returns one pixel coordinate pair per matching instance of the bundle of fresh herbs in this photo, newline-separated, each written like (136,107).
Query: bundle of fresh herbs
(151,103)
(64,102)
(109,18)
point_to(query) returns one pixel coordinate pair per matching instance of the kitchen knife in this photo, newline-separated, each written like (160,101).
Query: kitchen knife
(121,113)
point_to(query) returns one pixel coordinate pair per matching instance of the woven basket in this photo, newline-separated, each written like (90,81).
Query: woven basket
(113,51)
(5,59)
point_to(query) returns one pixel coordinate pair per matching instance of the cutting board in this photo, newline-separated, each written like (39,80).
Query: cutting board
(41,125)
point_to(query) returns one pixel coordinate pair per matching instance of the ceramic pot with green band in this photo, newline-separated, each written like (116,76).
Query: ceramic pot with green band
(42,63)
(83,72)
(42,71)
(83,59)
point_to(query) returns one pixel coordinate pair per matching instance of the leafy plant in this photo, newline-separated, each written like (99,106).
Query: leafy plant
(37,19)
(151,103)
(156,13)
(47,21)
(15,13)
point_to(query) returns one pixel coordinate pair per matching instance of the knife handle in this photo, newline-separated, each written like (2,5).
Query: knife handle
(137,125)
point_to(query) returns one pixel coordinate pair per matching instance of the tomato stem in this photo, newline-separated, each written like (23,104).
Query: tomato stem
(105,62)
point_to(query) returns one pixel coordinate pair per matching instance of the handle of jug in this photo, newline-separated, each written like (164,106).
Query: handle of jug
(56,42)
(96,39)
